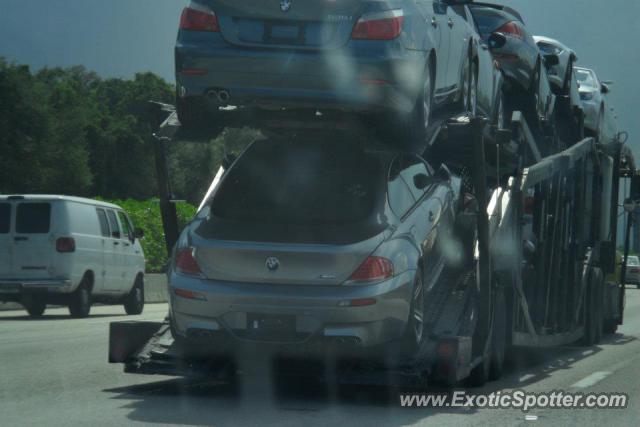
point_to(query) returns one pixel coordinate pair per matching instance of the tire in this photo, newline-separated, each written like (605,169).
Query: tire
(35,307)
(480,374)
(415,333)
(472,107)
(594,309)
(600,126)
(80,303)
(465,83)
(498,338)
(415,125)
(610,327)
(134,301)
(503,113)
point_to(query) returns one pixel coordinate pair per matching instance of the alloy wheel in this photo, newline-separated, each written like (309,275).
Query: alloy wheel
(418,310)
(426,101)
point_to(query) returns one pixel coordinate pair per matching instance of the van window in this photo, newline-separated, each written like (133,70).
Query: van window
(126,230)
(113,222)
(33,218)
(5,218)
(104,224)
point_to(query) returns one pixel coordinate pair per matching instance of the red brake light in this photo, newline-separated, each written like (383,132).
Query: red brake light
(184,293)
(379,26)
(65,244)
(373,269)
(511,29)
(198,20)
(186,262)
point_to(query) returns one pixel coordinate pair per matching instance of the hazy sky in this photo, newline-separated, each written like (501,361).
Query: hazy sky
(121,37)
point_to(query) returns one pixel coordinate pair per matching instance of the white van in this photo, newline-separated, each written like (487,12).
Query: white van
(69,251)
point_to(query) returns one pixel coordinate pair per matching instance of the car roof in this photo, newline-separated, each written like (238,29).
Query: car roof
(499,7)
(551,41)
(585,69)
(54,197)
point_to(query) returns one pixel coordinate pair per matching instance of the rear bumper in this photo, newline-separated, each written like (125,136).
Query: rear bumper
(319,311)
(361,77)
(14,289)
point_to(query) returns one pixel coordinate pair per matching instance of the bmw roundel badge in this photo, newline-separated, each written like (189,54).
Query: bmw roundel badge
(285,5)
(272,263)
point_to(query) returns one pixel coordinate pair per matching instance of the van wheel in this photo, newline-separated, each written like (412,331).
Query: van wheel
(134,301)
(80,304)
(35,307)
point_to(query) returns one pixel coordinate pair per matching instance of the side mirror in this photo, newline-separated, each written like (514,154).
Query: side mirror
(115,234)
(551,60)
(138,233)
(497,41)
(422,181)
(604,88)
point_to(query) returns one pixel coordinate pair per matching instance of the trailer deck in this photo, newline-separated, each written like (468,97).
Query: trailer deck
(542,247)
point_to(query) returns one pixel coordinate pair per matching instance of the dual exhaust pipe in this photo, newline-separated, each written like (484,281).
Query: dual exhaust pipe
(219,96)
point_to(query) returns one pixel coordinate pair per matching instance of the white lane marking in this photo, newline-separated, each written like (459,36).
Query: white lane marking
(531,418)
(592,379)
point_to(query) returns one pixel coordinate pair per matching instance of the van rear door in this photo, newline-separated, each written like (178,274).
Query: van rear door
(33,240)
(5,239)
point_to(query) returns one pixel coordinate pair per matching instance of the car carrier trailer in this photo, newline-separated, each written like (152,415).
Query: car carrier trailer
(546,233)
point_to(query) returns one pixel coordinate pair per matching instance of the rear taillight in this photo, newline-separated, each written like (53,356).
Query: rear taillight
(199,20)
(186,262)
(379,26)
(512,29)
(65,244)
(373,269)
(635,270)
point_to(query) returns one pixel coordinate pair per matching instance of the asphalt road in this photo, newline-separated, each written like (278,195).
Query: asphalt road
(54,371)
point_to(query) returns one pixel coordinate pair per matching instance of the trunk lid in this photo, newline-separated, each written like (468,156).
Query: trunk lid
(306,24)
(313,209)
(281,263)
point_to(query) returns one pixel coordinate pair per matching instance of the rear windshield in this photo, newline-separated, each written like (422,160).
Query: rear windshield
(5,217)
(585,78)
(488,20)
(33,218)
(300,183)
